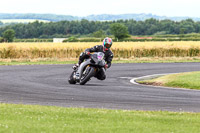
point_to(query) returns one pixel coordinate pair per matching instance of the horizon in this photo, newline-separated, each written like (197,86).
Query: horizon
(101,14)
(169,8)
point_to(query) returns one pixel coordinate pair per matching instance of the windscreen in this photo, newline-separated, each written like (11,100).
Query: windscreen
(100,56)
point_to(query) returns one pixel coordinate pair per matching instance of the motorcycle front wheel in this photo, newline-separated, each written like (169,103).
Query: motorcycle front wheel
(87,74)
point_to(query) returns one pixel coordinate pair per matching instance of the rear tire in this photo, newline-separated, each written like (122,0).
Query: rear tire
(85,78)
(71,79)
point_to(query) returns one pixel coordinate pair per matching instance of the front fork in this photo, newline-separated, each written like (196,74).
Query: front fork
(77,74)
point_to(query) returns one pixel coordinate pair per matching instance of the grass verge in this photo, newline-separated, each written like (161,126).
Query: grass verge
(190,80)
(40,61)
(35,118)
(36,62)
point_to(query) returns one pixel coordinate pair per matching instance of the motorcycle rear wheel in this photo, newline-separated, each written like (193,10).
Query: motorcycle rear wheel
(71,79)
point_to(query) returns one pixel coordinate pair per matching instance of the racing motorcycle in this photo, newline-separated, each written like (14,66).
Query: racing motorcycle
(88,69)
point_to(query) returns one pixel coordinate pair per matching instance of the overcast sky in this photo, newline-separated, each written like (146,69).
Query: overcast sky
(190,8)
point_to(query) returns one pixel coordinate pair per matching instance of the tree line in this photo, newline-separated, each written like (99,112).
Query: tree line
(84,27)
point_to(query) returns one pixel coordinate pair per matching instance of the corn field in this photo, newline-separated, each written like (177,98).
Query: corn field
(120,49)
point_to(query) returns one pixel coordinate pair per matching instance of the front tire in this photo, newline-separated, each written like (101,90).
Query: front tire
(86,77)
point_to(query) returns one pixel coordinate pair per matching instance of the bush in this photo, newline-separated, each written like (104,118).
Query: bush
(1,39)
(83,40)
(33,40)
(90,40)
(71,39)
(156,39)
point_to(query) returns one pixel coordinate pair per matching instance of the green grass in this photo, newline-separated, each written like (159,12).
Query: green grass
(190,80)
(133,60)
(36,62)
(34,118)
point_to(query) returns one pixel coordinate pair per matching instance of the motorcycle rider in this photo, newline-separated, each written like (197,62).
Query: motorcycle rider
(105,48)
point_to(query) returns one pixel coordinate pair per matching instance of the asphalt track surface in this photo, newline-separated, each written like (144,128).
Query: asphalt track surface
(47,85)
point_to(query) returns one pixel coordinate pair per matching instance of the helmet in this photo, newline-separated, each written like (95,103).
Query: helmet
(107,42)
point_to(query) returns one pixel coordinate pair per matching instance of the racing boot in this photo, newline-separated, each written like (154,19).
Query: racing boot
(75,66)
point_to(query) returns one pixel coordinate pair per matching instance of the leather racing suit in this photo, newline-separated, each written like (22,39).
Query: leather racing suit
(108,58)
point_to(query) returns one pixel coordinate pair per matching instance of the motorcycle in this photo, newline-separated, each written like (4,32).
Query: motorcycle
(88,69)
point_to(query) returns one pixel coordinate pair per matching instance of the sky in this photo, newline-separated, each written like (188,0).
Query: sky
(170,8)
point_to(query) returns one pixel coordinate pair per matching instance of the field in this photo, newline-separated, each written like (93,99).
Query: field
(121,50)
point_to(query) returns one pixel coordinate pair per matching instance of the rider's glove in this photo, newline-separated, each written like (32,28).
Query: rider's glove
(106,66)
(87,53)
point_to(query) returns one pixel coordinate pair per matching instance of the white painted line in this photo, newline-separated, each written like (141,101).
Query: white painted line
(133,81)
(148,76)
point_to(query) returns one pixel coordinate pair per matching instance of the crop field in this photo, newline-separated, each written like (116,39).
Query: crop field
(125,50)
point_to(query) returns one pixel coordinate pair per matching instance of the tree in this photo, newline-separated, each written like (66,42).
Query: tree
(9,35)
(99,33)
(120,31)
